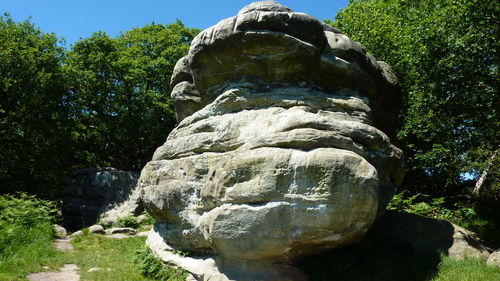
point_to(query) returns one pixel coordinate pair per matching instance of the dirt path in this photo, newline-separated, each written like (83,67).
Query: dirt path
(63,244)
(69,272)
(66,273)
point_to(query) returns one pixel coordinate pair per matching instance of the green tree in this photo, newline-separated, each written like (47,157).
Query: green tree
(445,53)
(105,102)
(33,120)
(119,94)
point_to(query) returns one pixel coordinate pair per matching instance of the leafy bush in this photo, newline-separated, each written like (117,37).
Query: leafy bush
(26,210)
(26,232)
(148,219)
(425,205)
(128,221)
(152,267)
(21,216)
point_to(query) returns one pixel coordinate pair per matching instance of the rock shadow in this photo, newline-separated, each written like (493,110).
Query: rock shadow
(92,192)
(371,261)
(400,247)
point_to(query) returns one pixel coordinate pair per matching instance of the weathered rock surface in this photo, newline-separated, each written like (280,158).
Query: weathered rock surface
(96,229)
(104,195)
(76,233)
(122,230)
(494,259)
(283,148)
(419,234)
(59,231)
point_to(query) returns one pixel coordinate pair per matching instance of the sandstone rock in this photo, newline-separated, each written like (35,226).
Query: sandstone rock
(76,233)
(96,229)
(105,195)
(419,234)
(60,231)
(494,259)
(118,236)
(282,150)
(123,230)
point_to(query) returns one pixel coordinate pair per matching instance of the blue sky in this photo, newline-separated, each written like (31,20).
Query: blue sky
(75,19)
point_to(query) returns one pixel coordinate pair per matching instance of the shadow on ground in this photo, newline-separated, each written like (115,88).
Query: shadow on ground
(371,261)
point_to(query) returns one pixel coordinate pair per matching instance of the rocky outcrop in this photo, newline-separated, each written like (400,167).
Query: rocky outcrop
(420,235)
(104,195)
(283,147)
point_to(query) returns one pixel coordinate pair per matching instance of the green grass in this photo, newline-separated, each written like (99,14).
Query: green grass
(115,256)
(26,237)
(27,252)
(466,270)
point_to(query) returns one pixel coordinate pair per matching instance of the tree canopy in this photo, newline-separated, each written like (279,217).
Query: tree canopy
(120,93)
(445,54)
(104,102)
(33,123)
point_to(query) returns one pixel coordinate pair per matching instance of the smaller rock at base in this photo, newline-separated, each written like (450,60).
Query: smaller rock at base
(60,231)
(118,236)
(494,259)
(124,230)
(76,233)
(96,229)
(94,269)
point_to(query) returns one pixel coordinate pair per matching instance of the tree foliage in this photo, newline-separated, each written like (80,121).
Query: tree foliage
(105,102)
(120,93)
(33,122)
(445,53)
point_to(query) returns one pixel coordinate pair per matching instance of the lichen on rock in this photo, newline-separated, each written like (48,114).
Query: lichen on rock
(283,147)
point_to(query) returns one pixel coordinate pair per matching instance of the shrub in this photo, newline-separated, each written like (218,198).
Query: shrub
(425,205)
(128,221)
(152,267)
(23,217)
(26,232)
(148,219)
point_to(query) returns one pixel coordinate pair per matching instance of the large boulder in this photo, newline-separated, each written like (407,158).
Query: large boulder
(103,195)
(283,148)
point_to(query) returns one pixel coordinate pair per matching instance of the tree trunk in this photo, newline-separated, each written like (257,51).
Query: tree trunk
(481,180)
